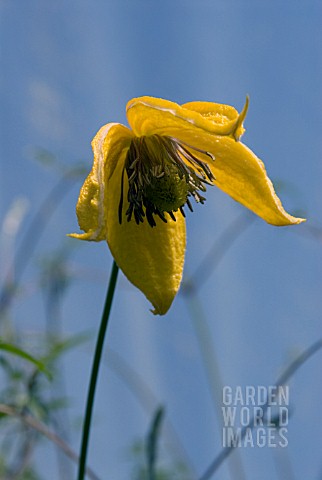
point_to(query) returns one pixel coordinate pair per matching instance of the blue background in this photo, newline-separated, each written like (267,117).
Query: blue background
(69,67)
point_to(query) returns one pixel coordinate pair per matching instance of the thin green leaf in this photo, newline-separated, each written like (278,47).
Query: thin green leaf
(14,350)
(59,348)
(151,444)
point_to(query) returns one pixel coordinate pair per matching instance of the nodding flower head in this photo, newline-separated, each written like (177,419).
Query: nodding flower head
(145,178)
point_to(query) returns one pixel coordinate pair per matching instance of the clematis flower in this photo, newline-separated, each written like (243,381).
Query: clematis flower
(145,178)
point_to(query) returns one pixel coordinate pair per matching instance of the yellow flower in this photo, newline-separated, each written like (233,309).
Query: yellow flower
(144,177)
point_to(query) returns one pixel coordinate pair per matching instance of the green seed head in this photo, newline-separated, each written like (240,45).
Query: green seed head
(169,192)
(163,174)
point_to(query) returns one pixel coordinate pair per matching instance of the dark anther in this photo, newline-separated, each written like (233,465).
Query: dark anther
(162,175)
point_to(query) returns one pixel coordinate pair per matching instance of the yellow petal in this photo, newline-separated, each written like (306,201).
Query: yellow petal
(151,258)
(108,144)
(242,175)
(214,128)
(148,115)
(222,114)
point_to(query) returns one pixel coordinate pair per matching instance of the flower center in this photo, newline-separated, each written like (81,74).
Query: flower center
(167,192)
(162,174)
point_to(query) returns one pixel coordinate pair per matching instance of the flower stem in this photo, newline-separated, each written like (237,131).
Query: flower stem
(95,369)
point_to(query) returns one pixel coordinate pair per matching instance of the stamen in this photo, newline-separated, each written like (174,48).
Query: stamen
(162,174)
(189,205)
(121,199)
(204,152)
(135,162)
(182,212)
(203,167)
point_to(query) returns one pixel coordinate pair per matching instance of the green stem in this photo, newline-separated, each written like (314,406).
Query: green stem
(95,369)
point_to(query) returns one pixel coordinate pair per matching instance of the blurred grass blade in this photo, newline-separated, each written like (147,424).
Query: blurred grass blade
(58,348)
(14,350)
(152,441)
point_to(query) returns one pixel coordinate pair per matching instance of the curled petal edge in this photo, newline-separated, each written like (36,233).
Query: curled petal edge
(108,144)
(149,115)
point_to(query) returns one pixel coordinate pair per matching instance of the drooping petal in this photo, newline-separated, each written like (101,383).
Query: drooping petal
(151,258)
(242,175)
(214,128)
(109,145)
